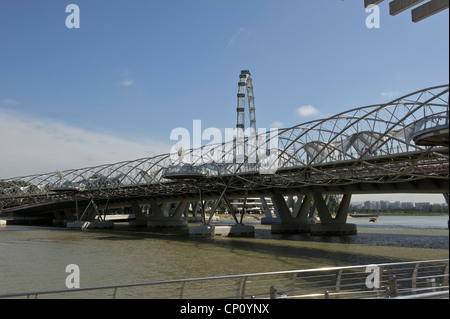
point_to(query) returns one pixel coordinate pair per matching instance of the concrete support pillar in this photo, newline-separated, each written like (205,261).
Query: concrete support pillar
(185,212)
(195,206)
(90,219)
(342,212)
(62,217)
(160,217)
(281,208)
(141,218)
(137,211)
(180,209)
(324,213)
(298,221)
(313,210)
(302,208)
(322,209)
(91,224)
(195,209)
(329,225)
(157,212)
(68,213)
(239,229)
(295,222)
(231,209)
(290,202)
(268,219)
(296,206)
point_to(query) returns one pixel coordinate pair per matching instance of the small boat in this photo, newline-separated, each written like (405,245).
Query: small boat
(356,215)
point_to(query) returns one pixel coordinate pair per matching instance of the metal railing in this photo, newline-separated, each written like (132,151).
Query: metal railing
(438,120)
(418,279)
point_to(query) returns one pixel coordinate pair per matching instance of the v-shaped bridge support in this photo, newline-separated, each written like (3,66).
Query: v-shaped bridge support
(301,220)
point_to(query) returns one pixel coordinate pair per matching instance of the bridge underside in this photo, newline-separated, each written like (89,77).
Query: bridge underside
(285,221)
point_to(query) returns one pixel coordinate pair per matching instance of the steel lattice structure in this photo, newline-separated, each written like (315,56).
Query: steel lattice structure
(373,148)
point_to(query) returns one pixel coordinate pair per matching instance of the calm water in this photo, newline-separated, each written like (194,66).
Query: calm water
(35,258)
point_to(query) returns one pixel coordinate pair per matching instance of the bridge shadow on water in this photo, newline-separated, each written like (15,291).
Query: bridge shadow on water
(299,250)
(340,250)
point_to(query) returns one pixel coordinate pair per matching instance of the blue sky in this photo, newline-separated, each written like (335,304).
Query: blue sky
(135,70)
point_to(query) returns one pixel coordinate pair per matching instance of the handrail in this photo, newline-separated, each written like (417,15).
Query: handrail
(333,276)
(429,295)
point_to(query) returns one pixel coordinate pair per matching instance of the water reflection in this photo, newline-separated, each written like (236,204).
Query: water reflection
(34,258)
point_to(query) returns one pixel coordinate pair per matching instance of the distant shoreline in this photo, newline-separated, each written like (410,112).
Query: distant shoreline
(412,214)
(262,215)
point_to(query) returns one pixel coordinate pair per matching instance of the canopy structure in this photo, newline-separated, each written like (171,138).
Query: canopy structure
(392,143)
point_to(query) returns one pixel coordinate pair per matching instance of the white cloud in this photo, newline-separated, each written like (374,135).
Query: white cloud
(127,79)
(32,146)
(307,110)
(277,124)
(389,95)
(126,82)
(237,34)
(8,102)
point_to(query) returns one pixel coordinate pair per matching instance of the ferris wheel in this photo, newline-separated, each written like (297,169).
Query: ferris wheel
(245,98)
(245,94)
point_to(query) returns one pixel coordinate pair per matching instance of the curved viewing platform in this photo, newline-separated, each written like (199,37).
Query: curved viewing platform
(432,131)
